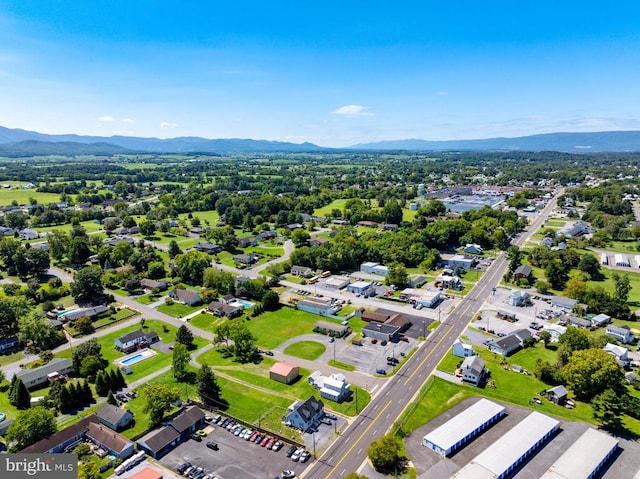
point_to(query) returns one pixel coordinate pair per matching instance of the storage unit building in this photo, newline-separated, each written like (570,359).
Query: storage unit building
(584,458)
(504,455)
(461,429)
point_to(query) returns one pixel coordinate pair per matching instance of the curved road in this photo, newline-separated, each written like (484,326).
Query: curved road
(348,451)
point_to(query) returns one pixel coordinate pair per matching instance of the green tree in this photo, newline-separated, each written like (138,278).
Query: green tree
(545,337)
(84,325)
(190,266)
(514,255)
(11,309)
(102,384)
(299,237)
(589,264)
(79,250)
(184,336)
(270,300)
(174,250)
(156,270)
(111,399)
(592,371)
(147,228)
(88,348)
(222,334)
(19,396)
(157,400)
(88,470)
(31,262)
(397,275)
(622,287)
(36,334)
(30,426)
(90,366)
(556,274)
(87,285)
(384,454)
(243,342)
(575,289)
(181,359)
(542,286)
(208,388)
(608,408)
(220,280)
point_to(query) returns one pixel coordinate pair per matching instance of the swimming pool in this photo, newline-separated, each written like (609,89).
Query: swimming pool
(136,357)
(2,416)
(244,304)
(64,313)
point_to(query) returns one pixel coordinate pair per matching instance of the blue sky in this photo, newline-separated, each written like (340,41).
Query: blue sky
(332,73)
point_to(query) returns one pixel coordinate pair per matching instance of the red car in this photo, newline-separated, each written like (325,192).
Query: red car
(253,436)
(404,338)
(271,442)
(265,441)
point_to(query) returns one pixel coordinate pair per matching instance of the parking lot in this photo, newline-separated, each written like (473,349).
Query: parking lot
(370,357)
(430,464)
(234,458)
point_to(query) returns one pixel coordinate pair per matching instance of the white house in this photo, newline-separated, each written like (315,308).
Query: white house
(473,370)
(618,352)
(472,248)
(555,330)
(620,333)
(600,320)
(303,415)
(462,349)
(517,297)
(28,234)
(333,387)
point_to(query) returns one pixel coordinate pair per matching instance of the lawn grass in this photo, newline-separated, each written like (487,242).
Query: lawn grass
(90,226)
(272,328)
(341,365)
(11,358)
(178,310)
(8,195)
(207,321)
(211,216)
(150,298)
(306,350)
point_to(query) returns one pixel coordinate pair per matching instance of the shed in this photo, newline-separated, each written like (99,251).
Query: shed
(284,372)
(557,395)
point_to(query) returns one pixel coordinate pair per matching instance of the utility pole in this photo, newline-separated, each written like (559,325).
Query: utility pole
(356,400)
(334,350)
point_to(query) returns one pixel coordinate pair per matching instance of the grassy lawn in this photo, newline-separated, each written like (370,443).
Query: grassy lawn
(150,298)
(178,310)
(607,284)
(207,321)
(274,327)
(341,365)
(90,226)
(306,350)
(211,216)
(124,313)
(11,358)
(8,195)
(167,333)
(5,405)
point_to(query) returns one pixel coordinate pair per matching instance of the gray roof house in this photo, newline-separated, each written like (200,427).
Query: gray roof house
(303,415)
(32,378)
(510,343)
(473,369)
(114,417)
(186,296)
(557,395)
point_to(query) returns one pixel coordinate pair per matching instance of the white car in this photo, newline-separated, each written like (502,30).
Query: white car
(296,455)
(287,474)
(247,434)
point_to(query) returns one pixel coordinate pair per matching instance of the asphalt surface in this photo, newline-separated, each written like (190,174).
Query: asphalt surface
(349,451)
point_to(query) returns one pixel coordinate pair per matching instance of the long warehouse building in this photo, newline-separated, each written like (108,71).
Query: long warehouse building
(462,428)
(584,458)
(504,455)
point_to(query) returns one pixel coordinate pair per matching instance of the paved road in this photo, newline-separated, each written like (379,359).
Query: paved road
(348,452)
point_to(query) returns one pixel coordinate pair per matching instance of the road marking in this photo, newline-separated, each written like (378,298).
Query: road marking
(344,456)
(426,358)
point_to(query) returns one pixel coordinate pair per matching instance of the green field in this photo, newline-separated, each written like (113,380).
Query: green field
(178,310)
(212,217)
(23,197)
(306,350)
(89,226)
(207,321)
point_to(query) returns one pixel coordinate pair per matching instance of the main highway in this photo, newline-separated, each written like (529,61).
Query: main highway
(347,453)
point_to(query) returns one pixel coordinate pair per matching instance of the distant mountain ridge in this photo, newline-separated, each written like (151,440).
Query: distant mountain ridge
(603,141)
(16,142)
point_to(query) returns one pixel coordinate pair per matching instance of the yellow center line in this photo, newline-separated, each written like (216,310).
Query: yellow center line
(373,421)
(433,350)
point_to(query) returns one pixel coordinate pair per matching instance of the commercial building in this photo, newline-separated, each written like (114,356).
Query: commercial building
(337,282)
(381,331)
(374,268)
(365,288)
(321,306)
(303,415)
(462,428)
(584,458)
(504,455)
(332,329)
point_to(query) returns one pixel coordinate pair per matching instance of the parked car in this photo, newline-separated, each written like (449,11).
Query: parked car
(201,433)
(195,437)
(304,457)
(247,434)
(259,438)
(216,419)
(288,474)
(404,338)
(331,416)
(254,436)
(212,445)
(271,442)
(296,455)
(325,421)
(183,467)
(277,445)
(291,450)
(381,371)
(264,441)
(188,470)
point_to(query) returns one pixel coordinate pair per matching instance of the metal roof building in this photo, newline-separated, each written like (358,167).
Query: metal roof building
(504,455)
(459,430)
(584,458)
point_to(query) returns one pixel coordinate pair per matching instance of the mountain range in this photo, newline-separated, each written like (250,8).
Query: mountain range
(16,142)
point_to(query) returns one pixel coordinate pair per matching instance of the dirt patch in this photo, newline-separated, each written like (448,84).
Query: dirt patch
(455,397)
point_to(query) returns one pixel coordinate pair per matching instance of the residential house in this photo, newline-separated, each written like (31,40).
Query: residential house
(284,372)
(33,378)
(248,241)
(186,296)
(246,259)
(472,248)
(91,313)
(228,299)
(547,241)
(220,309)
(522,272)
(621,354)
(114,417)
(518,298)
(367,224)
(473,370)
(318,241)
(188,421)
(555,330)
(621,333)
(576,322)
(457,260)
(301,271)
(564,303)
(150,284)
(418,281)
(9,345)
(557,395)
(389,227)
(109,441)
(295,226)
(462,349)
(64,440)
(28,234)
(4,231)
(303,415)
(136,340)
(209,248)
(267,235)
(334,387)
(600,320)
(510,343)
(449,282)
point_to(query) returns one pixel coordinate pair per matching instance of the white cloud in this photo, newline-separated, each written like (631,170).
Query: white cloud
(353,110)
(127,120)
(106,118)
(442,93)
(165,125)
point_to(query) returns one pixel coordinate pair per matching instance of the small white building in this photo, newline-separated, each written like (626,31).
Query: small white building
(334,387)
(622,260)
(618,352)
(555,330)
(621,333)
(462,349)
(600,320)
(517,297)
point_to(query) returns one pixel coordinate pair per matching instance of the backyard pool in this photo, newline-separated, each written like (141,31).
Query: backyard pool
(64,313)
(2,416)
(244,304)
(136,357)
